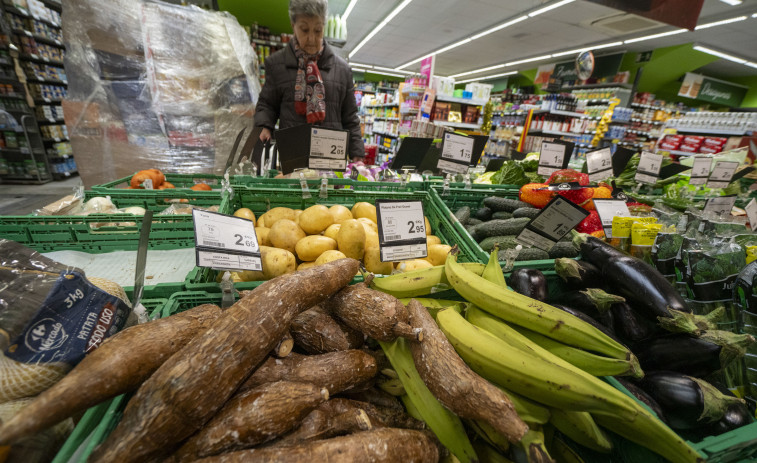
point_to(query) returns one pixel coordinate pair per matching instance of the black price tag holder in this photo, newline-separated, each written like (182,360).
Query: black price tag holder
(554,155)
(555,221)
(401,230)
(411,152)
(224,242)
(456,154)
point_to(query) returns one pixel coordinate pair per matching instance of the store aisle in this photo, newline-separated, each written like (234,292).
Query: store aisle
(24,199)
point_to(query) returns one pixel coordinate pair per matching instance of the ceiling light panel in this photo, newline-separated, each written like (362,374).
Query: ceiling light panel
(380,26)
(732,2)
(494,76)
(476,71)
(655,36)
(498,28)
(529,60)
(720,23)
(349,9)
(549,7)
(720,54)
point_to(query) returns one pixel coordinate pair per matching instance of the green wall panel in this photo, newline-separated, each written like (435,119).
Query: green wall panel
(271,13)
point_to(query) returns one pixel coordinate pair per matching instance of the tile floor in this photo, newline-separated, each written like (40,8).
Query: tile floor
(24,199)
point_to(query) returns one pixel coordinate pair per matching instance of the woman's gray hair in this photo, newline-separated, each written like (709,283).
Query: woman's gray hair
(317,8)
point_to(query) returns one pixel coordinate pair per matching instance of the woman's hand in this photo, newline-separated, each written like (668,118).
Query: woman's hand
(265,135)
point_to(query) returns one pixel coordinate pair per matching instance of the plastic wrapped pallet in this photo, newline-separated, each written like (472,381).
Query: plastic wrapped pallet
(154,85)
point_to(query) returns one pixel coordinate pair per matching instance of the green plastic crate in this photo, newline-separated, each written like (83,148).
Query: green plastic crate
(260,200)
(180,181)
(314,185)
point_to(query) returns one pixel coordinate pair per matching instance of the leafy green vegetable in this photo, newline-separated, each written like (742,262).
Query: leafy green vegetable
(511,173)
(530,165)
(533,177)
(667,245)
(705,267)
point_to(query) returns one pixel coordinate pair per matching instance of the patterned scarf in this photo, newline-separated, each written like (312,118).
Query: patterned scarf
(309,91)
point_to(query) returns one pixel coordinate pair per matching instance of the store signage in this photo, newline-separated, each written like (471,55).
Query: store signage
(457,153)
(644,56)
(328,149)
(427,68)
(609,208)
(716,91)
(555,221)
(722,174)
(402,230)
(649,168)
(427,103)
(225,242)
(700,170)
(554,155)
(599,164)
(605,66)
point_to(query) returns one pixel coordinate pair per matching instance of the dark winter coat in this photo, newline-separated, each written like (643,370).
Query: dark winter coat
(276,101)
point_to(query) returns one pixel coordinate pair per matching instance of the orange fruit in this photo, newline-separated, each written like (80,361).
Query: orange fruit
(530,195)
(602,191)
(139,178)
(201,187)
(167,185)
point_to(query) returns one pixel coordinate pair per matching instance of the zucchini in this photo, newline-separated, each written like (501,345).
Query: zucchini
(484,214)
(532,254)
(497,204)
(563,249)
(474,221)
(463,215)
(501,227)
(505,242)
(502,215)
(529,212)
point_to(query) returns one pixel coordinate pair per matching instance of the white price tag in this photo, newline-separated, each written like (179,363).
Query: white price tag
(721,205)
(551,158)
(457,148)
(599,164)
(451,167)
(328,149)
(700,170)
(722,173)
(147,184)
(556,220)
(751,213)
(649,167)
(225,242)
(402,230)
(609,208)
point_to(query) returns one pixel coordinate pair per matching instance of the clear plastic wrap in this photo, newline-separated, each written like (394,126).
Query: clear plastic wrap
(154,85)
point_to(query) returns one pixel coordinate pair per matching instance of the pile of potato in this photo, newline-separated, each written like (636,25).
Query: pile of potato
(293,239)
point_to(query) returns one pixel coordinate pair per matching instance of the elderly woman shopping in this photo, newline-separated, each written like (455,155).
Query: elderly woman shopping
(307,83)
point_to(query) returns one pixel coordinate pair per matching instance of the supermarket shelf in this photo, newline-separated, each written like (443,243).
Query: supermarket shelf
(378,118)
(558,112)
(604,85)
(50,121)
(383,105)
(46,81)
(385,89)
(649,106)
(8,80)
(22,12)
(518,112)
(646,121)
(598,101)
(408,90)
(469,101)
(12,97)
(15,151)
(363,90)
(47,100)
(52,4)
(39,38)
(269,43)
(713,132)
(556,133)
(5,62)
(640,132)
(620,122)
(23,179)
(39,59)
(409,111)
(385,134)
(679,153)
(64,174)
(386,150)
(54,140)
(458,125)
(65,156)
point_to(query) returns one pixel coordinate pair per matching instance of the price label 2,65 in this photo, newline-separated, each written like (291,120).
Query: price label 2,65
(225,242)
(599,164)
(402,230)
(649,167)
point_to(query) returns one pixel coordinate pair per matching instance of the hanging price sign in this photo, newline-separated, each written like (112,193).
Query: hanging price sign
(556,220)
(457,153)
(599,164)
(649,168)
(402,230)
(554,156)
(328,149)
(721,205)
(225,242)
(609,208)
(700,171)
(722,174)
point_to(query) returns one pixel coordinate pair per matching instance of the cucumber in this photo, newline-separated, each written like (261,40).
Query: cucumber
(563,249)
(532,254)
(529,212)
(501,227)
(474,221)
(483,214)
(505,242)
(497,204)
(463,215)
(472,230)
(502,215)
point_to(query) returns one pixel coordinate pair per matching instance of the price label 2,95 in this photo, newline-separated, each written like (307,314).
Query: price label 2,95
(402,230)
(224,242)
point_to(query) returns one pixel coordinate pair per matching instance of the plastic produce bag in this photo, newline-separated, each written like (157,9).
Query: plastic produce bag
(51,315)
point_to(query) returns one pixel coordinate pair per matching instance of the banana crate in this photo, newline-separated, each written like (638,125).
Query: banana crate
(98,422)
(449,200)
(261,200)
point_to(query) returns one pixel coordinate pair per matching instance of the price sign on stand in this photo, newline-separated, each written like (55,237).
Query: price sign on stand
(457,153)
(328,149)
(599,164)
(554,156)
(722,174)
(402,230)
(609,208)
(751,213)
(649,168)
(556,220)
(721,205)
(224,242)
(700,171)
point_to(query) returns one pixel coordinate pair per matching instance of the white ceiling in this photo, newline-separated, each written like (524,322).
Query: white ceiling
(428,25)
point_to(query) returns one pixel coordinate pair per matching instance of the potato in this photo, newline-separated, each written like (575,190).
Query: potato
(371,239)
(306,265)
(315,219)
(368,224)
(329,256)
(285,234)
(351,239)
(251,275)
(332,231)
(437,254)
(311,247)
(277,262)
(414,264)
(366,210)
(432,240)
(373,264)
(340,213)
(428,225)
(274,215)
(262,234)
(245,213)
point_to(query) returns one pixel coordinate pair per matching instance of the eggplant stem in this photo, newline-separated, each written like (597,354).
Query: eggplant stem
(715,402)
(601,299)
(681,322)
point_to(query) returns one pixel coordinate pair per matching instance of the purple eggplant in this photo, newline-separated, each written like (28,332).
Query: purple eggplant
(633,279)
(592,301)
(643,397)
(529,282)
(630,326)
(687,402)
(605,329)
(702,356)
(578,274)
(736,416)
